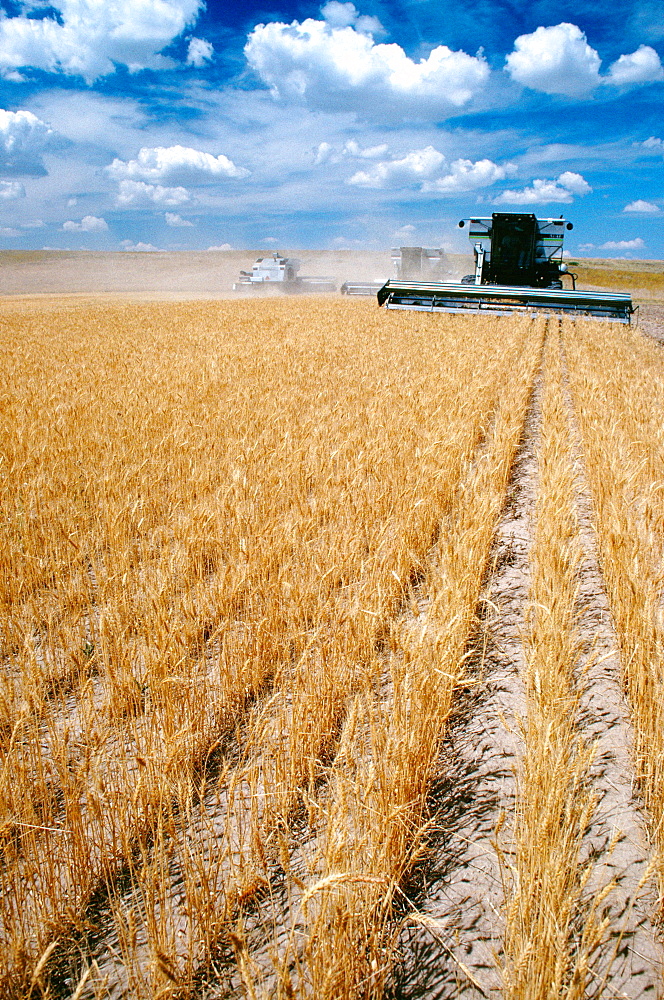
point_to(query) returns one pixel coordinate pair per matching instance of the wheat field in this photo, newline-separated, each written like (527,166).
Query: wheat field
(247,551)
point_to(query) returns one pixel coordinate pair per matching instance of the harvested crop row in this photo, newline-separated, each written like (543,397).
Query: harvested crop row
(554,804)
(615,403)
(572,842)
(195,511)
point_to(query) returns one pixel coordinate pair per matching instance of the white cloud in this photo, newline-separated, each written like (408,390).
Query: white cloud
(636,244)
(557,60)
(175,220)
(415,167)
(343,15)
(9,231)
(574,183)
(353,148)
(405,232)
(91,36)
(9,190)
(224,247)
(322,153)
(464,175)
(334,66)
(543,191)
(199,52)
(142,247)
(88,224)
(653,143)
(642,66)
(343,243)
(326,153)
(642,206)
(138,192)
(23,137)
(175,164)
(429,170)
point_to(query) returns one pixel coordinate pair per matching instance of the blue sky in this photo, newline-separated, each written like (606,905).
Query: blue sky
(172,124)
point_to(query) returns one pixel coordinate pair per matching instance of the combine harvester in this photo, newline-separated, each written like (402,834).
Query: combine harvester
(281,272)
(519,267)
(411,263)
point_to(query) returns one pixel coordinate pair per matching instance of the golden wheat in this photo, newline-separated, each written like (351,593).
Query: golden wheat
(204,504)
(618,408)
(220,705)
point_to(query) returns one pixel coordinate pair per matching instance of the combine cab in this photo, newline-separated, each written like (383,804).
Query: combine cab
(418,263)
(281,272)
(519,267)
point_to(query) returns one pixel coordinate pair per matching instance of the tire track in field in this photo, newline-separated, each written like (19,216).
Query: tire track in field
(459,888)
(631,963)
(457,950)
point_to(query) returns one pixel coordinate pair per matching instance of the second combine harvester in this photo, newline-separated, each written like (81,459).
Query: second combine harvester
(519,267)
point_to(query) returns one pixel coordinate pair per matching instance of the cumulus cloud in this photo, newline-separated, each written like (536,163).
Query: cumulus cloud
(323,153)
(343,15)
(329,64)
(429,170)
(89,37)
(411,169)
(326,153)
(88,224)
(140,247)
(574,183)
(648,207)
(653,143)
(138,192)
(223,247)
(175,164)
(175,220)
(23,138)
(464,175)
(559,60)
(642,66)
(199,52)
(636,244)
(10,190)
(353,148)
(541,191)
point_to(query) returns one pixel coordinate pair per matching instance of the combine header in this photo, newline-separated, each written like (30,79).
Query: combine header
(281,272)
(519,267)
